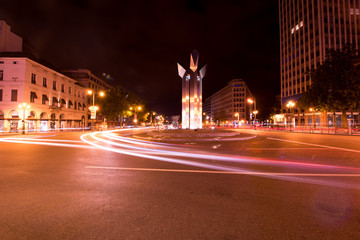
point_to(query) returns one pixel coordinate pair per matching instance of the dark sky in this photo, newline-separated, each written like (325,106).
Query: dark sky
(140,42)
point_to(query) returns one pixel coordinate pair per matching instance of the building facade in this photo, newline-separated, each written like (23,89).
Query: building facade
(55,101)
(308,29)
(90,81)
(192,93)
(9,41)
(230,104)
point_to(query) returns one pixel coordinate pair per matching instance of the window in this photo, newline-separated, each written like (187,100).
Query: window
(44,99)
(33,96)
(55,101)
(62,88)
(54,85)
(1,62)
(14,93)
(44,82)
(1,93)
(33,78)
(1,75)
(69,89)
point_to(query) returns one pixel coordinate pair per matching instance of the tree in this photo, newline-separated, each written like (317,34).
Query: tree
(335,84)
(117,102)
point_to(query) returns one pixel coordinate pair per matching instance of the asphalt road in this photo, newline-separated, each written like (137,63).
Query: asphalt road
(262,185)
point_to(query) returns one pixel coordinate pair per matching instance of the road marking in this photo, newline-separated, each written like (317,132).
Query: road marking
(277,149)
(236,173)
(317,145)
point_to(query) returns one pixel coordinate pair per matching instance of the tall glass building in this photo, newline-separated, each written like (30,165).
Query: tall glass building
(308,28)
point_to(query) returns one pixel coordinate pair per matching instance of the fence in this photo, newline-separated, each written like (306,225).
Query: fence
(353,130)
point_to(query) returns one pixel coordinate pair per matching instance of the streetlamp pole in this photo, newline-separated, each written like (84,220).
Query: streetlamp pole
(24,106)
(253,101)
(238,116)
(93,108)
(291,105)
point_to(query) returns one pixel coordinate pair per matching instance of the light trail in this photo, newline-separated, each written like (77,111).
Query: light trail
(215,163)
(153,150)
(181,153)
(316,145)
(236,173)
(45,143)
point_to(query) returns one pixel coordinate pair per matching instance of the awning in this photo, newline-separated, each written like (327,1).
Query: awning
(55,100)
(45,97)
(33,95)
(62,101)
(70,103)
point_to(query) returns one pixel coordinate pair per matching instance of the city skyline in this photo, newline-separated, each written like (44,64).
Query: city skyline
(138,48)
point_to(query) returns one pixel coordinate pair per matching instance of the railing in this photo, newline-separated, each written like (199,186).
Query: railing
(353,130)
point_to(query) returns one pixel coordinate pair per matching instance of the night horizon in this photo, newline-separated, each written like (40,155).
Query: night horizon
(140,47)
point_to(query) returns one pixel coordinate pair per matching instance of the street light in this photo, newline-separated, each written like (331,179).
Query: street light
(290,105)
(255,112)
(151,116)
(237,115)
(138,108)
(313,117)
(94,108)
(24,106)
(253,101)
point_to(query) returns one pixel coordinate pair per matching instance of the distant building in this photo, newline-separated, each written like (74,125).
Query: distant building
(56,101)
(90,81)
(192,93)
(9,41)
(229,104)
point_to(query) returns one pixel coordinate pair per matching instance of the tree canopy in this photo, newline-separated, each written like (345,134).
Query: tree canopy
(117,102)
(335,85)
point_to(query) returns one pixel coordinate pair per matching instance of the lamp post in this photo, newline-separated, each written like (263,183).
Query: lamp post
(24,106)
(290,105)
(252,101)
(255,112)
(94,108)
(135,108)
(151,116)
(313,116)
(237,115)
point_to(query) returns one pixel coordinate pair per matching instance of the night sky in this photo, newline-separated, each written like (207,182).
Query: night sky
(139,42)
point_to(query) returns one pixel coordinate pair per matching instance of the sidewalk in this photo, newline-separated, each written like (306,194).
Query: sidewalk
(38,133)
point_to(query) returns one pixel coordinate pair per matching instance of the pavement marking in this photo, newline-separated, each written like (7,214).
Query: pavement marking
(317,145)
(277,149)
(236,173)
